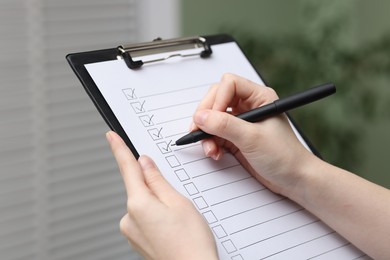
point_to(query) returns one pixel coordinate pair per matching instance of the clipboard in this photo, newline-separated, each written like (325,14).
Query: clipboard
(271,237)
(129,54)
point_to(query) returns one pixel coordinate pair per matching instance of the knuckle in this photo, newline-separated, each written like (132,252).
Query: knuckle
(153,177)
(271,93)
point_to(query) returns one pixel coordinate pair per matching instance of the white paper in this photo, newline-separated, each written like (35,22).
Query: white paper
(155,104)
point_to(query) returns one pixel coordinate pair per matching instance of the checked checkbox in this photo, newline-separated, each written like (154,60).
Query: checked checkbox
(164,147)
(129,93)
(147,120)
(138,107)
(155,133)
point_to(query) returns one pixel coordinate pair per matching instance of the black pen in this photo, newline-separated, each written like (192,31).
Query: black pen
(277,107)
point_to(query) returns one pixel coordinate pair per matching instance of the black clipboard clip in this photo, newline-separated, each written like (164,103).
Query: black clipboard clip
(128,52)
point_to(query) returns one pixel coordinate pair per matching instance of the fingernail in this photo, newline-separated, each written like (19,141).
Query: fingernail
(201,117)
(206,148)
(109,136)
(217,156)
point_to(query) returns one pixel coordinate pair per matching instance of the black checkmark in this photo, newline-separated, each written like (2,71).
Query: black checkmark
(142,107)
(149,121)
(167,147)
(158,133)
(132,94)
(129,94)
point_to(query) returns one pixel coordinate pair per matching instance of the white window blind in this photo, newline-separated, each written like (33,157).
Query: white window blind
(61,195)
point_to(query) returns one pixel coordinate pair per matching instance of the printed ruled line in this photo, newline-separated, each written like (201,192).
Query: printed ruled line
(221,169)
(286,249)
(245,178)
(333,249)
(197,160)
(243,195)
(269,220)
(173,120)
(179,90)
(285,232)
(187,147)
(174,105)
(172,135)
(245,211)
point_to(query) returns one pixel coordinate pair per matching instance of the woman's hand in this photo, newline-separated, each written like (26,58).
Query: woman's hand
(160,223)
(269,150)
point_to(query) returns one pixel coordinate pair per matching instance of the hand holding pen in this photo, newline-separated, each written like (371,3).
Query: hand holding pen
(275,108)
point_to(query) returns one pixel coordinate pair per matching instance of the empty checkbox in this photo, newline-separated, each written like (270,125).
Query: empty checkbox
(229,246)
(173,161)
(210,217)
(182,175)
(219,231)
(200,203)
(191,189)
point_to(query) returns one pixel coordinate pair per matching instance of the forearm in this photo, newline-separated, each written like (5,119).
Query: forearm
(357,209)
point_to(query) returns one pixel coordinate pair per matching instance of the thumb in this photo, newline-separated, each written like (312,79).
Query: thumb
(157,184)
(223,125)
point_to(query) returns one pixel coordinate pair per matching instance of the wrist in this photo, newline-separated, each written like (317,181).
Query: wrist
(307,173)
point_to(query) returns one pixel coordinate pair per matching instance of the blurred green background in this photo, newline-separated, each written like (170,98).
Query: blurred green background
(300,43)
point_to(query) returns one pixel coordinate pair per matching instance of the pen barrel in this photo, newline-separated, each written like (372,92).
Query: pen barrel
(283,105)
(199,135)
(304,97)
(192,137)
(260,113)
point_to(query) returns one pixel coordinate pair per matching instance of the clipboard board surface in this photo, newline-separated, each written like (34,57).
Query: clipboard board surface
(235,209)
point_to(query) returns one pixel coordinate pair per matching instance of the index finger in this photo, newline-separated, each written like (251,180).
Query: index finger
(226,93)
(239,93)
(236,92)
